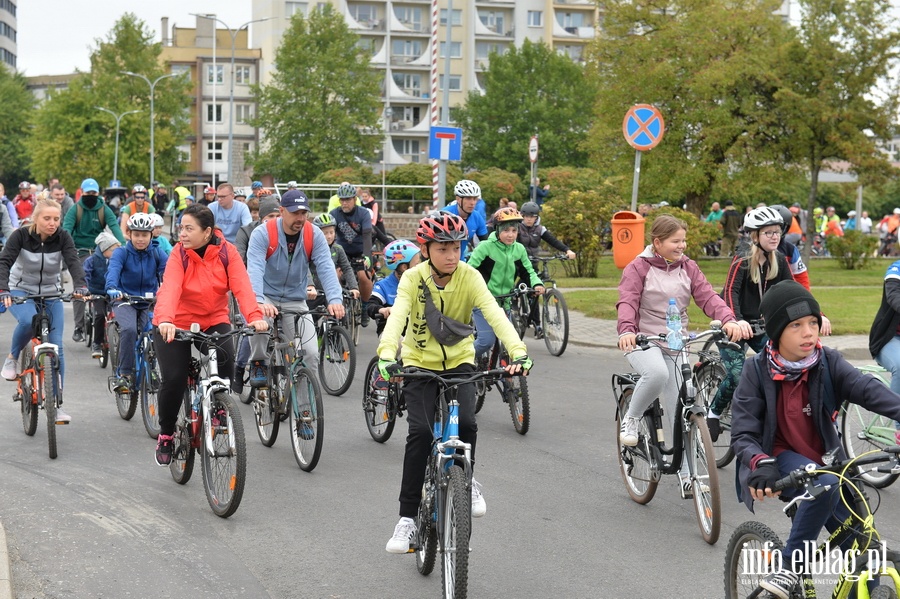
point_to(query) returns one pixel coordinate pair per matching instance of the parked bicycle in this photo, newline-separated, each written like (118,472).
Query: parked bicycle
(754,550)
(209,422)
(553,317)
(863,431)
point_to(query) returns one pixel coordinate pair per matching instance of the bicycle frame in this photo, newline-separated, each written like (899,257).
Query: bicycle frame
(880,434)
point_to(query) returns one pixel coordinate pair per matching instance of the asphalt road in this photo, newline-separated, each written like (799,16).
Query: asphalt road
(104,521)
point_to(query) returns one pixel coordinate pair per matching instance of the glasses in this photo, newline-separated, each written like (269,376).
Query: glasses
(772,234)
(140,197)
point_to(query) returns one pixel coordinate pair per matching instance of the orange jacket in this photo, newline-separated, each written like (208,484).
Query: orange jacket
(198,293)
(833,227)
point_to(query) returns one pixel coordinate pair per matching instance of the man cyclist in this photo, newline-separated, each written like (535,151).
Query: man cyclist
(467,194)
(354,233)
(138,203)
(230,215)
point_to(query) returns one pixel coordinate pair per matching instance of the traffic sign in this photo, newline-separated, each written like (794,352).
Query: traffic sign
(445,143)
(533,149)
(643,127)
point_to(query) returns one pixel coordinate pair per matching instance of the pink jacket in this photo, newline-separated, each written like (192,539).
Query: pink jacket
(647,284)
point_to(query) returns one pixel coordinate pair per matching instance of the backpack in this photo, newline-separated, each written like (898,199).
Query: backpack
(79,212)
(272,230)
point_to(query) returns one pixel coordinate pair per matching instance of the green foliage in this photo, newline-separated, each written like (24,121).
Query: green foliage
(496,183)
(322,109)
(16,109)
(419,174)
(852,251)
(578,219)
(565,179)
(358,175)
(527,90)
(699,233)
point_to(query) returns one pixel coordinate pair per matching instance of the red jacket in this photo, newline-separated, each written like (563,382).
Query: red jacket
(24,206)
(199,292)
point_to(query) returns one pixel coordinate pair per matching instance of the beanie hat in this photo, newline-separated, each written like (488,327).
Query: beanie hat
(784,303)
(267,206)
(106,240)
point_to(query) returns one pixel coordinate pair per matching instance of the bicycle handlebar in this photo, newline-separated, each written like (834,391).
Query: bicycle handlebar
(643,341)
(806,476)
(131,299)
(521,289)
(21,299)
(411,372)
(185,335)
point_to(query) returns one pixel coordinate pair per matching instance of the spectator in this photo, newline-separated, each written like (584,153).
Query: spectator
(715,213)
(537,193)
(865,223)
(731,222)
(644,210)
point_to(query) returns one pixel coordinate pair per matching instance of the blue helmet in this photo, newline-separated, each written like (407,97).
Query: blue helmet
(399,252)
(90,185)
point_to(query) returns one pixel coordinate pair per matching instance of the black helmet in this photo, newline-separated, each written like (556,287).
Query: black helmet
(530,209)
(787,215)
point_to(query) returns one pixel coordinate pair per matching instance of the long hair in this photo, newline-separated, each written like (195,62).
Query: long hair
(666,225)
(755,252)
(40,205)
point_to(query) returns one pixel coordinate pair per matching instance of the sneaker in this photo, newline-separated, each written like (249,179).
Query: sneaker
(96,350)
(62,417)
(364,321)
(78,335)
(123,385)
(687,486)
(479,507)
(538,332)
(403,534)
(164,446)
(714,426)
(780,583)
(259,376)
(629,434)
(10,369)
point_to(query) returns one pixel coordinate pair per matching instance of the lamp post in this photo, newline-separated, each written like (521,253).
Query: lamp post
(152,89)
(118,118)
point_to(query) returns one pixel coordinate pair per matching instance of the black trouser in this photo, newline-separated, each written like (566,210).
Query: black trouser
(99,320)
(421,398)
(174,362)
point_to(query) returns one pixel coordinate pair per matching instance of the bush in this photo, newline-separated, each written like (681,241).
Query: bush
(566,179)
(853,250)
(699,233)
(418,174)
(496,183)
(359,175)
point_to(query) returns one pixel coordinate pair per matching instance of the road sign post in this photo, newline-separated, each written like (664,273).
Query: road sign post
(533,156)
(643,129)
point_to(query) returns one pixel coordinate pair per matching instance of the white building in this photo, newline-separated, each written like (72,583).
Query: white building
(8,26)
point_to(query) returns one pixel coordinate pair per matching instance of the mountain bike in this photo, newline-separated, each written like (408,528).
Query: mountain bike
(862,431)
(382,400)
(39,384)
(144,381)
(291,393)
(352,321)
(444,520)
(643,465)
(754,550)
(209,422)
(553,317)
(337,355)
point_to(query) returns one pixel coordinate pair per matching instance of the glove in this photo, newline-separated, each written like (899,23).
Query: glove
(4,295)
(82,291)
(525,362)
(114,293)
(764,476)
(388,368)
(368,262)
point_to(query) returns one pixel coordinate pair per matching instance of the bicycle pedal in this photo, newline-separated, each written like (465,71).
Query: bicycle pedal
(61,422)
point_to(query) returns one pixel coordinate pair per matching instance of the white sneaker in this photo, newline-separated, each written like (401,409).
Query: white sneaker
(479,507)
(687,486)
(629,434)
(403,534)
(10,369)
(62,417)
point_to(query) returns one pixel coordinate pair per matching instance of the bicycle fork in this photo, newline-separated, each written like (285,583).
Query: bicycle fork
(42,370)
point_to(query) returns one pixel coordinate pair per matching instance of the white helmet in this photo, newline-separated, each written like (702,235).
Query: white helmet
(762,217)
(157,220)
(467,189)
(140,222)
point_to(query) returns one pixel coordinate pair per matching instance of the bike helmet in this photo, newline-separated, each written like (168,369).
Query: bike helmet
(157,220)
(346,190)
(399,252)
(786,215)
(507,215)
(443,228)
(139,189)
(209,190)
(530,209)
(140,222)
(758,218)
(467,189)
(324,220)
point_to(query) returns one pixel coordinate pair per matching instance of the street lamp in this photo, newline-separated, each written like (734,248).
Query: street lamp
(152,88)
(118,118)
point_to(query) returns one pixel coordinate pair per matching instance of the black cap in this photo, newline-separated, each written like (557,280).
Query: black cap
(784,303)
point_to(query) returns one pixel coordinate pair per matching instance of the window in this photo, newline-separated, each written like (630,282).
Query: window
(213,113)
(483,50)
(214,153)
(185,153)
(411,83)
(457,17)
(242,113)
(455,82)
(9,6)
(242,75)
(409,146)
(364,13)
(492,20)
(411,16)
(216,77)
(411,48)
(367,45)
(7,31)
(292,8)
(455,49)
(181,69)
(535,18)
(8,57)
(571,20)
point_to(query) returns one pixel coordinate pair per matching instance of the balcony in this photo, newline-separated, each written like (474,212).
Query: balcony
(576,4)
(372,25)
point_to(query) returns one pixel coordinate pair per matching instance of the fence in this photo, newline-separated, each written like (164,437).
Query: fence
(415,198)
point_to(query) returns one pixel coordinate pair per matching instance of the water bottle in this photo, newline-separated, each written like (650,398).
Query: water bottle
(673,325)
(195,401)
(195,413)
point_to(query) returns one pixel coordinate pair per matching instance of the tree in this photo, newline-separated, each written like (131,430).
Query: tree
(322,109)
(528,90)
(73,140)
(16,108)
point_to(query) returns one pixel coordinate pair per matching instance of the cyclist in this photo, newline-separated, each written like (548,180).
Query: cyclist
(399,256)
(158,224)
(458,290)
(341,263)
(203,269)
(884,338)
(531,233)
(95,269)
(31,263)
(135,269)
(280,278)
(783,416)
(230,215)
(659,273)
(138,203)
(467,195)
(354,234)
(501,260)
(268,209)
(371,204)
(209,196)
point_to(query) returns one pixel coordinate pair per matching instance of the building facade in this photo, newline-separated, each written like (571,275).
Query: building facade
(8,27)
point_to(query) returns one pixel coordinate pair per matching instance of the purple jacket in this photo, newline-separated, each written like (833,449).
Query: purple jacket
(647,284)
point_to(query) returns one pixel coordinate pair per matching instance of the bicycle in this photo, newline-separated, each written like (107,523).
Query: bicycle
(444,520)
(862,431)
(754,550)
(209,421)
(352,320)
(337,355)
(292,392)
(641,466)
(382,401)
(553,317)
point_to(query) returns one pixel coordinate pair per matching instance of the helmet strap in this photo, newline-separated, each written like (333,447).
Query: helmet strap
(438,274)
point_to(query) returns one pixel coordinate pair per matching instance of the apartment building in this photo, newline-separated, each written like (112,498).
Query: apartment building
(8,26)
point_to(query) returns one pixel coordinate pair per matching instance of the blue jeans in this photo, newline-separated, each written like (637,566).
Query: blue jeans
(484,340)
(889,359)
(131,320)
(24,313)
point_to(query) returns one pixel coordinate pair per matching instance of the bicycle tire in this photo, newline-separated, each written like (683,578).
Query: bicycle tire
(49,399)
(88,323)
(182,465)
(378,410)
(29,405)
(555,316)
(104,357)
(515,390)
(858,435)
(883,592)
(705,480)
(337,360)
(457,527)
(516,315)
(306,414)
(225,468)
(639,471)
(150,380)
(357,320)
(426,551)
(750,541)
(706,381)
(265,406)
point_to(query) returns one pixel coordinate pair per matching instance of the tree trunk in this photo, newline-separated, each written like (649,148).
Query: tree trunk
(697,202)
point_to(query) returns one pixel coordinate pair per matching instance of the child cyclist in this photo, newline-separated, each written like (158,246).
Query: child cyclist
(135,269)
(457,289)
(95,268)
(399,256)
(659,273)
(782,418)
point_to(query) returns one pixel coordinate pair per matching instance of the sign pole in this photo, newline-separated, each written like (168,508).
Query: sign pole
(637,176)
(533,157)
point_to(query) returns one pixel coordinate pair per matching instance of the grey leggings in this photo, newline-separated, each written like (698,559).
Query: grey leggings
(658,379)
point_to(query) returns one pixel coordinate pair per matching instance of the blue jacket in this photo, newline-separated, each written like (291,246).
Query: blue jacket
(136,272)
(475,224)
(95,269)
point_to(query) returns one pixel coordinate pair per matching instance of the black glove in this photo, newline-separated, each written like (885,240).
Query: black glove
(82,291)
(4,295)
(764,476)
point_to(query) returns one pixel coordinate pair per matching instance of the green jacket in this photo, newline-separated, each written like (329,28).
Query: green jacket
(501,265)
(85,230)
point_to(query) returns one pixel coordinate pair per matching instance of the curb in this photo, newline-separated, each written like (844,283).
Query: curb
(6,588)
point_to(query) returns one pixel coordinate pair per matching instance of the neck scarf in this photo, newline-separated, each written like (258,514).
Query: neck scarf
(785,370)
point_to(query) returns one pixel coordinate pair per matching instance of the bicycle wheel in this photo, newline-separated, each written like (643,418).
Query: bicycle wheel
(265,405)
(150,392)
(377,408)
(704,479)
(223,456)
(29,398)
(638,467)
(182,465)
(337,360)
(88,323)
(307,418)
(707,381)
(515,393)
(555,317)
(862,431)
(357,320)
(517,315)
(753,552)
(49,398)
(883,592)
(456,526)
(104,350)
(426,549)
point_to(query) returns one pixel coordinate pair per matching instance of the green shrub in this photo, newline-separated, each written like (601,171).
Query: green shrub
(418,174)
(699,233)
(853,250)
(496,183)
(579,220)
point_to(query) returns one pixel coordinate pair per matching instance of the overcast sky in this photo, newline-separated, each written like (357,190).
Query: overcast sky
(55,36)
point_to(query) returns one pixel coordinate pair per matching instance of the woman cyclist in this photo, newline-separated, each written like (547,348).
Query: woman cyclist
(202,269)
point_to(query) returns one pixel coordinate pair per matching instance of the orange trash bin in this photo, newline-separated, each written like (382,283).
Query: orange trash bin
(627,237)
